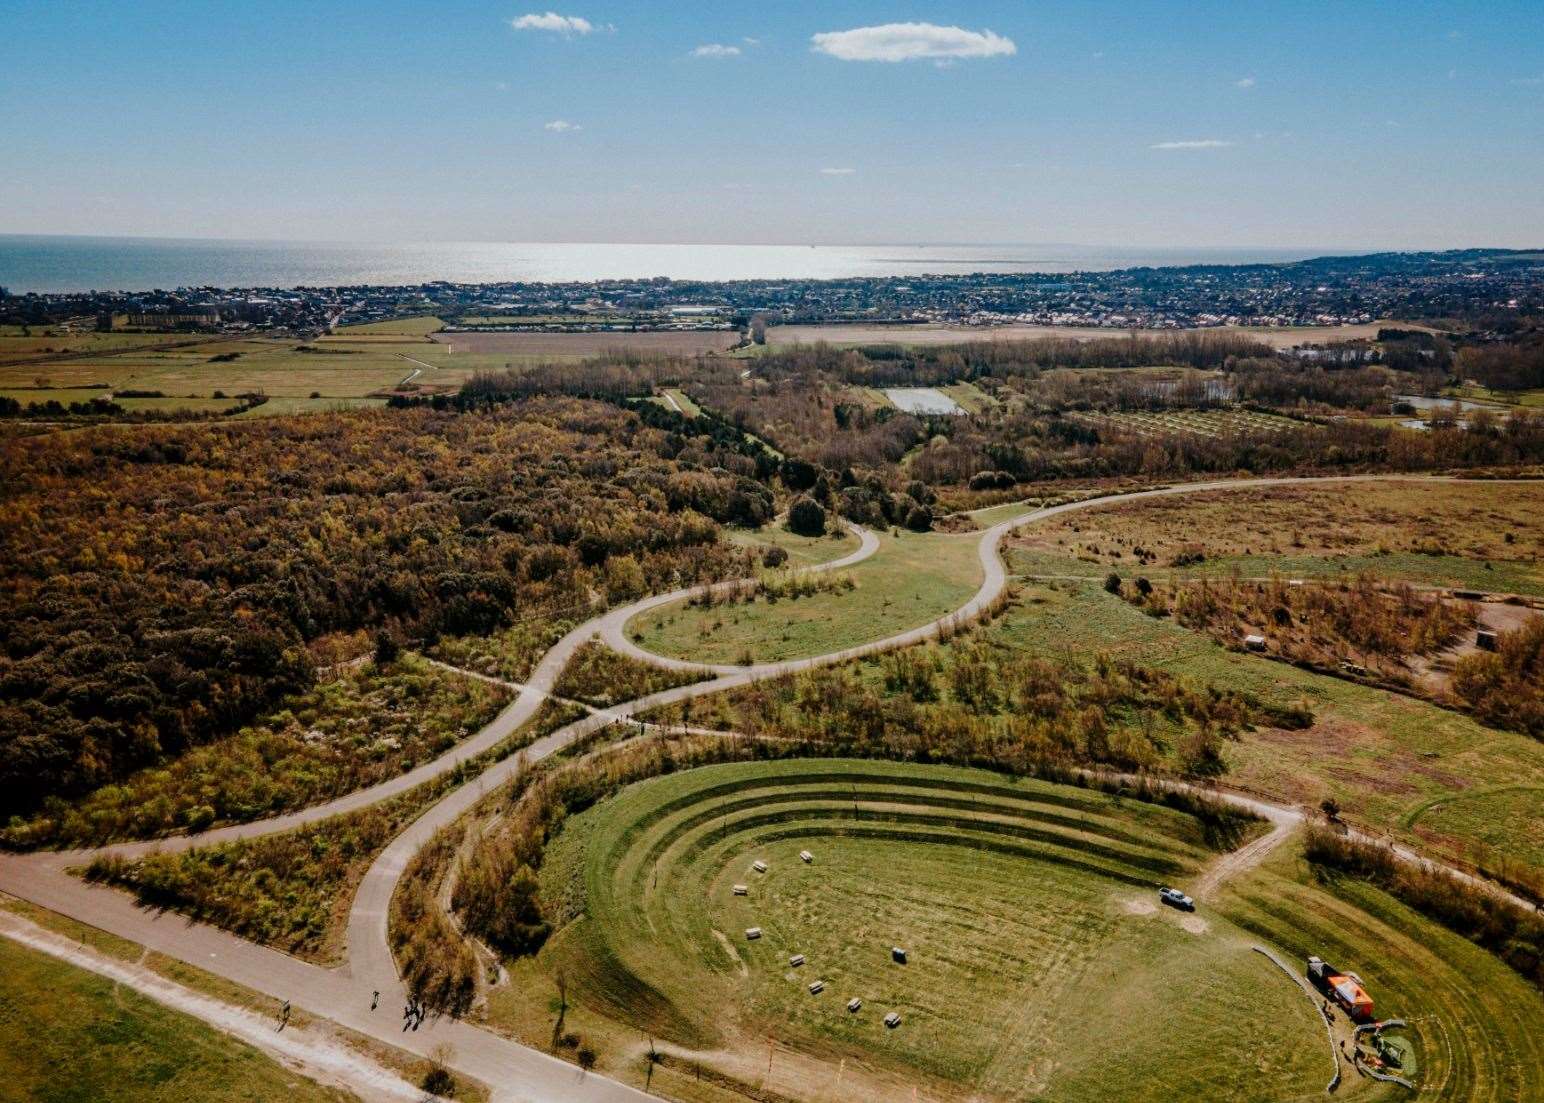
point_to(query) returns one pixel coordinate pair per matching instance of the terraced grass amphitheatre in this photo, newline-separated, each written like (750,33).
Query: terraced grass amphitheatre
(1036,962)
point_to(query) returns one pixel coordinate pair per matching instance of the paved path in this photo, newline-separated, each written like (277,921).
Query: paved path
(513,1071)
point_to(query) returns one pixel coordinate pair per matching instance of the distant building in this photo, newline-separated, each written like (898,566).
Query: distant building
(188,319)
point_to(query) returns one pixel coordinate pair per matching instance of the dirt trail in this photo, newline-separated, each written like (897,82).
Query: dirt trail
(1251,854)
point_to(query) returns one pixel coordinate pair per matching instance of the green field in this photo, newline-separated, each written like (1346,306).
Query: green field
(1478,1027)
(803,551)
(1379,754)
(1039,965)
(350,364)
(85,394)
(419,326)
(68,1035)
(971,397)
(914,578)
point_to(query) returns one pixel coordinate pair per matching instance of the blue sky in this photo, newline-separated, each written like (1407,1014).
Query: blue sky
(1302,124)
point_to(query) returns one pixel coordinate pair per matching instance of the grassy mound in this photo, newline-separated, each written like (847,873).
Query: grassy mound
(1039,963)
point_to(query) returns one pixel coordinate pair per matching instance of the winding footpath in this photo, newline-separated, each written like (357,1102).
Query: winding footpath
(515,1072)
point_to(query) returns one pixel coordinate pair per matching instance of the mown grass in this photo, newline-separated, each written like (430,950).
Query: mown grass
(913,579)
(1022,905)
(419,326)
(1479,1028)
(67,1035)
(1505,819)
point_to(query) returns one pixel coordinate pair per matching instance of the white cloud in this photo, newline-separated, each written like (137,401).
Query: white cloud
(1200,143)
(561,126)
(911,42)
(1246,83)
(552,21)
(716,49)
(837,172)
(749,41)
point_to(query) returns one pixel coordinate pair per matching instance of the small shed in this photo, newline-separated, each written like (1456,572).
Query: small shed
(806,857)
(893,1020)
(1485,640)
(741,890)
(854,1004)
(752,933)
(796,961)
(817,988)
(1254,642)
(759,866)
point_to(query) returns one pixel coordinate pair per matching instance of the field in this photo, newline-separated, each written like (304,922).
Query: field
(867,334)
(350,363)
(1382,756)
(421,326)
(67,1035)
(803,551)
(578,346)
(1478,534)
(1201,423)
(1023,907)
(913,578)
(17,347)
(1478,1027)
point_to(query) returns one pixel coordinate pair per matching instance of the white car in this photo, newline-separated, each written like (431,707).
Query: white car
(1176,899)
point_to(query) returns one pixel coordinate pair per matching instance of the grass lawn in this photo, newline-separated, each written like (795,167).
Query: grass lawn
(1039,964)
(1478,1027)
(803,551)
(66,1035)
(688,407)
(420,326)
(913,578)
(1534,398)
(969,396)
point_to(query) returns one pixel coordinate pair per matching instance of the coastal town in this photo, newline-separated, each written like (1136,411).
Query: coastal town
(1327,291)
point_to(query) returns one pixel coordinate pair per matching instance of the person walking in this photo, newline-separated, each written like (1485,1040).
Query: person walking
(375,1000)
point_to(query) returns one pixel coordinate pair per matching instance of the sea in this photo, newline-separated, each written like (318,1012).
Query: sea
(62,264)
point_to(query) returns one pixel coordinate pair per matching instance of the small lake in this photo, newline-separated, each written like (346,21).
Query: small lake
(923,400)
(1421,402)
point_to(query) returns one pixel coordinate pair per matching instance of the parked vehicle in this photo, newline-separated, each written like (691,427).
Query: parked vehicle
(1176,899)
